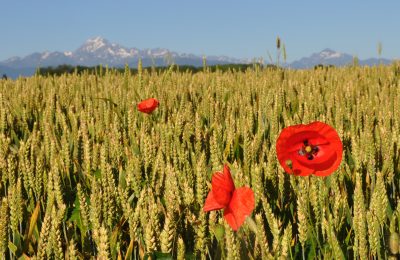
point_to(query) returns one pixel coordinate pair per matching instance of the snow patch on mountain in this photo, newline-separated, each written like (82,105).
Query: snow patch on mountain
(98,50)
(329,54)
(93,44)
(45,55)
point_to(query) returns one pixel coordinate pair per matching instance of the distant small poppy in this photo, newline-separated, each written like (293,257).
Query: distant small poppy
(237,203)
(309,149)
(147,106)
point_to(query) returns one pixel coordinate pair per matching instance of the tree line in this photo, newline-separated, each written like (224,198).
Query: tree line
(101,70)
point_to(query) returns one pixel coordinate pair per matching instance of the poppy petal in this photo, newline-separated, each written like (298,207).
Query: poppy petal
(222,186)
(332,168)
(299,169)
(292,140)
(324,154)
(324,164)
(295,168)
(230,218)
(240,206)
(147,106)
(297,139)
(211,203)
(324,129)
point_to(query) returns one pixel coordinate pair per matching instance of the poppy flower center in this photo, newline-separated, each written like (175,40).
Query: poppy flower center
(308,150)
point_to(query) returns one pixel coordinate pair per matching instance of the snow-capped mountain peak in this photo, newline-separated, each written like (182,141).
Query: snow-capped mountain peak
(324,57)
(330,54)
(45,55)
(98,50)
(93,44)
(331,57)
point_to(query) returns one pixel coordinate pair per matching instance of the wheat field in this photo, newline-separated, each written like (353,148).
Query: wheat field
(84,175)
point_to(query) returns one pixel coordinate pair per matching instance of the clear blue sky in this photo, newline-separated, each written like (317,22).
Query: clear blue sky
(243,29)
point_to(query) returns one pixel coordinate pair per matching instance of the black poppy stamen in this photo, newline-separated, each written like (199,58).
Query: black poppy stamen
(308,150)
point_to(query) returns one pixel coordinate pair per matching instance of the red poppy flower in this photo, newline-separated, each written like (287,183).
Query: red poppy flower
(237,203)
(147,106)
(309,149)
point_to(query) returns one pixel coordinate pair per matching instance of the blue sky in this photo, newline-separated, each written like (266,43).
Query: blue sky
(243,29)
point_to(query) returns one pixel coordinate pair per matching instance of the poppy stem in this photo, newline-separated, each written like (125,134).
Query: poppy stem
(314,229)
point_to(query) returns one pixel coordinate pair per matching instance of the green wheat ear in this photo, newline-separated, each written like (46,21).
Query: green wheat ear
(219,232)
(394,243)
(278,43)
(121,175)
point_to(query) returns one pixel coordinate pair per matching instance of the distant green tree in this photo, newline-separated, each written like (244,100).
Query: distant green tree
(69,69)
(324,66)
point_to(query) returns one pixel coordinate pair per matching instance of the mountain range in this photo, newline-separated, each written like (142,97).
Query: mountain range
(331,57)
(98,50)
